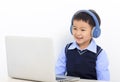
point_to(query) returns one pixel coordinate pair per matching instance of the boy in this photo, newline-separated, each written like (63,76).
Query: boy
(84,58)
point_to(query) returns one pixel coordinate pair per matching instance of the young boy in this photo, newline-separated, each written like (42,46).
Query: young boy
(84,58)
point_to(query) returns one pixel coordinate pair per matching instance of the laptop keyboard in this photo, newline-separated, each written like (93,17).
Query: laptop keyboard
(64,79)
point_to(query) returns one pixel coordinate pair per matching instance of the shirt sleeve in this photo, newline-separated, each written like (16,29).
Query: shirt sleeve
(102,64)
(60,67)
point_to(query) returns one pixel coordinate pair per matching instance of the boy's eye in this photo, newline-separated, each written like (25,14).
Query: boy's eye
(82,29)
(74,28)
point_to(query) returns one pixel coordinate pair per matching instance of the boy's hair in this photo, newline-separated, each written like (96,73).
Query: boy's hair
(86,17)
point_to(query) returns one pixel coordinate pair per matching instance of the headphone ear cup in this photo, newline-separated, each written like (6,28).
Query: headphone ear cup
(96,32)
(71,29)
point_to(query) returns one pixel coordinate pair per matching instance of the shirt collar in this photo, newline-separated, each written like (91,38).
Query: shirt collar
(91,47)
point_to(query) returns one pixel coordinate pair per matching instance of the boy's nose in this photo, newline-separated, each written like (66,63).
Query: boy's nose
(78,32)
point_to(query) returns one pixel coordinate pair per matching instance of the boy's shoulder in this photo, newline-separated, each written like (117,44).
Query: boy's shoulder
(99,49)
(67,46)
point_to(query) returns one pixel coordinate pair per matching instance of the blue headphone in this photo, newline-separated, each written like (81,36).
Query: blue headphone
(96,31)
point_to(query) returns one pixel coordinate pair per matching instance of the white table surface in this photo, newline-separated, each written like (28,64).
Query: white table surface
(8,79)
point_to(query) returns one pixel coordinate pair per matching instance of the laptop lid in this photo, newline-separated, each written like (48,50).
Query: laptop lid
(30,58)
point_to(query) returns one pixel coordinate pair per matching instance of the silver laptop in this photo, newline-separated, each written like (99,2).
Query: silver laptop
(32,58)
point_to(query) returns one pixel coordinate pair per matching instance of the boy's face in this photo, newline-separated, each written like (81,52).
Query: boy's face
(82,33)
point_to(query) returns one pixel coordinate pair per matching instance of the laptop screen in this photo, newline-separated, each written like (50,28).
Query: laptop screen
(30,58)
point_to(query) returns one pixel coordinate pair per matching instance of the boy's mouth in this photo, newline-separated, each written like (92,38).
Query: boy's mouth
(79,38)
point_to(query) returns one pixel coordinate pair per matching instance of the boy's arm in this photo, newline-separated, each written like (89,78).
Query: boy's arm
(102,64)
(60,67)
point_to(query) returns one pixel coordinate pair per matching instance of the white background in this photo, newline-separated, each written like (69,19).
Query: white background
(52,18)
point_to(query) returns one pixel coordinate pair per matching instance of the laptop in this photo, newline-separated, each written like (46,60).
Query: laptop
(32,58)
